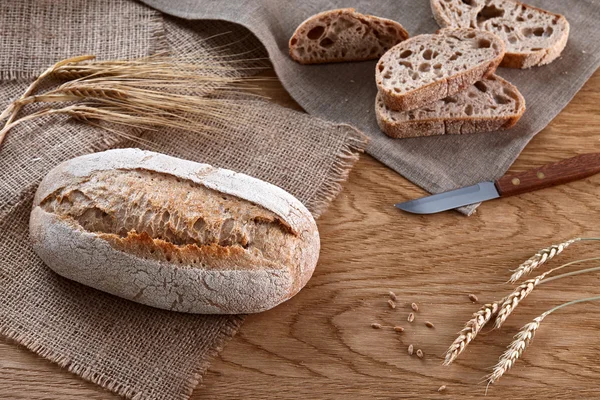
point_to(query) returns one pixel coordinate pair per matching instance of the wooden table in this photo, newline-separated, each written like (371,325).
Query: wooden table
(320,344)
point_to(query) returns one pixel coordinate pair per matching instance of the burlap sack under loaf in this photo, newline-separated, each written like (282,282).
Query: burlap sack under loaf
(346,92)
(133,350)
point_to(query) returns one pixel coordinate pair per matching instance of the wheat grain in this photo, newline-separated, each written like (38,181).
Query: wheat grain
(411,317)
(442,388)
(391,304)
(420,353)
(515,349)
(473,298)
(411,349)
(471,329)
(517,296)
(393,296)
(429,324)
(375,325)
(541,257)
(415,307)
(399,329)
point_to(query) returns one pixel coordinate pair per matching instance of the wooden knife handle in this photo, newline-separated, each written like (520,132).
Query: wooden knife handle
(564,171)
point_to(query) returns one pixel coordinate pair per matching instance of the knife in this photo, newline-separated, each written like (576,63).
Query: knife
(571,169)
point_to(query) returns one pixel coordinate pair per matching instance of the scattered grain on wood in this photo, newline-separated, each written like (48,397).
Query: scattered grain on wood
(393,296)
(399,329)
(375,325)
(391,304)
(429,324)
(473,298)
(410,350)
(442,388)
(415,307)
(420,353)
(411,317)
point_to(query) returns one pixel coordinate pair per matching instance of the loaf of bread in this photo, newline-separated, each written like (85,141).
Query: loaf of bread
(344,35)
(532,36)
(173,234)
(491,104)
(427,68)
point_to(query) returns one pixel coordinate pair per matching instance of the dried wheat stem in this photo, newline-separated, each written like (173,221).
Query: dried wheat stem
(523,290)
(523,339)
(542,257)
(471,329)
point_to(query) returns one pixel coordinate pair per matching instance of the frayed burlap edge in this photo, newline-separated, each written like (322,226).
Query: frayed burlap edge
(338,174)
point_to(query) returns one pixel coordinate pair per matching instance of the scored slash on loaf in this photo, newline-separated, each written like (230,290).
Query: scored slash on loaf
(173,234)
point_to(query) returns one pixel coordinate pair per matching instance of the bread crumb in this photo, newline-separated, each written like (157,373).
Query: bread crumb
(410,350)
(351,80)
(473,298)
(429,324)
(375,325)
(415,307)
(420,353)
(442,388)
(584,52)
(399,329)
(411,317)
(391,304)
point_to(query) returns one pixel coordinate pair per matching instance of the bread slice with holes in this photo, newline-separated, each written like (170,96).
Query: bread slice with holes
(532,36)
(427,68)
(344,35)
(491,104)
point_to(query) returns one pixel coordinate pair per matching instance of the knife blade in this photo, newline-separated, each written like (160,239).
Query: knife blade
(572,169)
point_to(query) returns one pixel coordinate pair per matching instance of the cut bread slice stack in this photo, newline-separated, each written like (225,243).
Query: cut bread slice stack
(491,104)
(445,84)
(427,68)
(344,35)
(532,36)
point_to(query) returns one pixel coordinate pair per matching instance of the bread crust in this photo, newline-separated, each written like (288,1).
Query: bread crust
(519,60)
(402,34)
(92,258)
(450,126)
(439,89)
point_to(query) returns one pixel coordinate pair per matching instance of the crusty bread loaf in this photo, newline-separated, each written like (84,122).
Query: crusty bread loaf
(173,234)
(491,104)
(344,35)
(427,68)
(532,36)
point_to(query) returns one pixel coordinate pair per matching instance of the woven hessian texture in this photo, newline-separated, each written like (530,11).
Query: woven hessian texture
(137,351)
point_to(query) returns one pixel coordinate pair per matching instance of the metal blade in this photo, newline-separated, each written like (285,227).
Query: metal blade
(452,199)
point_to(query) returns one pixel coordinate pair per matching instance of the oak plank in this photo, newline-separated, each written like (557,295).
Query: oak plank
(320,343)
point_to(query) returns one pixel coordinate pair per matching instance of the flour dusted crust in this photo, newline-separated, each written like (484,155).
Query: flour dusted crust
(344,35)
(173,234)
(533,36)
(491,104)
(427,68)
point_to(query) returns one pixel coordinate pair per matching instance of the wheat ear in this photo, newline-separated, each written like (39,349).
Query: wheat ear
(522,340)
(541,257)
(523,290)
(471,329)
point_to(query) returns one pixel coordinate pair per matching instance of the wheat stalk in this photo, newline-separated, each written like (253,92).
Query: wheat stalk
(471,329)
(152,92)
(522,339)
(541,257)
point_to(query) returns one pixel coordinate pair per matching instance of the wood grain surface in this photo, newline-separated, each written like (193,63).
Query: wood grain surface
(320,344)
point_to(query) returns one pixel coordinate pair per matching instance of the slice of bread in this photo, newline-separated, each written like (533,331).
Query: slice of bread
(491,104)
(427,68)
(532,36)
(344,35)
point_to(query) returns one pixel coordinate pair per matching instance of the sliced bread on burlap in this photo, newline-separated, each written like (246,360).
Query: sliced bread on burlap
(344,35)
(427,68)
(489,105)
(532,36)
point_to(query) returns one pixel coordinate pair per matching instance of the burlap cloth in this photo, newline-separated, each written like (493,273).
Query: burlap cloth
(134,350)
(346,92)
